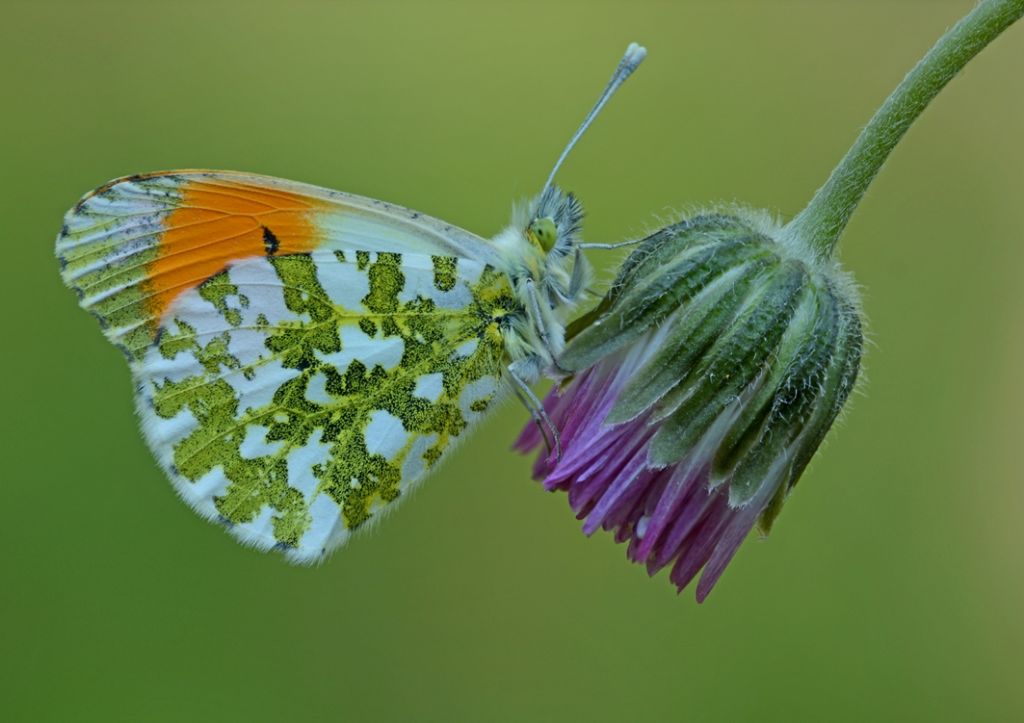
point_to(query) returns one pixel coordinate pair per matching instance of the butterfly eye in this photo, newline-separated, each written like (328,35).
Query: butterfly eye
(544,232)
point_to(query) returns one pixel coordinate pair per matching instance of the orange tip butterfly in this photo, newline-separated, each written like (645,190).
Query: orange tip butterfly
(302,357)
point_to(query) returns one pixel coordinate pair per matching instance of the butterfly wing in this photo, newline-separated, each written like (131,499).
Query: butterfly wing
(301,357)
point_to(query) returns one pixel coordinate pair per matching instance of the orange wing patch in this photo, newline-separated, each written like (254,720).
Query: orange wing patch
(135,245)
(222,222)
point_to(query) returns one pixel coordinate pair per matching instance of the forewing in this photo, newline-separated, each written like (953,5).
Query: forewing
(293,392)
(133,246)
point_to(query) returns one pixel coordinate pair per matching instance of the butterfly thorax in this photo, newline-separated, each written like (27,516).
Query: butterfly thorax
(540,255)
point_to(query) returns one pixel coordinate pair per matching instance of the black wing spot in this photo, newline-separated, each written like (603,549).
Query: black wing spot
(270,242)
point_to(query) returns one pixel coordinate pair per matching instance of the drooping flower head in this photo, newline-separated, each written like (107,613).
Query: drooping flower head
(703,383)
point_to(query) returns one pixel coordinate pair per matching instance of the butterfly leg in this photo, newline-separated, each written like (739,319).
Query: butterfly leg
(548,430)
(577,280)
(544,325)
(579,275)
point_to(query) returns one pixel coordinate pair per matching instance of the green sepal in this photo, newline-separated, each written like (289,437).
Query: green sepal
(836,385)
(794,396)
(727,368)
(790,381)
(673,266)
(698,324)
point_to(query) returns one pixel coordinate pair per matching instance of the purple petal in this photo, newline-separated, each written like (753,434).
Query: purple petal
(729,542)
(684,477)
(699,549)
(630,507)
(623,479)
(700,504)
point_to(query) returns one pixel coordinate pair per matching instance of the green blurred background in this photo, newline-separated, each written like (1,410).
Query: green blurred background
(891,588)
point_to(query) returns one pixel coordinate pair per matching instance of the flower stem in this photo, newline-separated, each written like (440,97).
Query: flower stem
(822,222)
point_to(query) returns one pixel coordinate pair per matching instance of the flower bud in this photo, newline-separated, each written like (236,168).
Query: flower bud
(704,382)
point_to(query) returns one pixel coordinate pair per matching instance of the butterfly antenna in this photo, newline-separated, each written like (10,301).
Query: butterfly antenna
(634,56)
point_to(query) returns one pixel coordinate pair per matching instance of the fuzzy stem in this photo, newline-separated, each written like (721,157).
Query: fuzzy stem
(822,222)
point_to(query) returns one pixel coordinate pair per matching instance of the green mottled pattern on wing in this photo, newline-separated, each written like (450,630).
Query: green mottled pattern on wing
(460,348)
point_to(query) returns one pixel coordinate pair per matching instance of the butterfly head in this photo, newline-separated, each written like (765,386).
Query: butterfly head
(542,243)
(553,221)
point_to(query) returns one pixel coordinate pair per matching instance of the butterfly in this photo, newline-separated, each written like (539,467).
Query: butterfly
(303,357)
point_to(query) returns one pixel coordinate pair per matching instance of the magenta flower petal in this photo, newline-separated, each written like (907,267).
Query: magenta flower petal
(668,515)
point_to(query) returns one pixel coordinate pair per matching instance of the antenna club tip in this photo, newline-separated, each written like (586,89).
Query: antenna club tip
(635,54)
